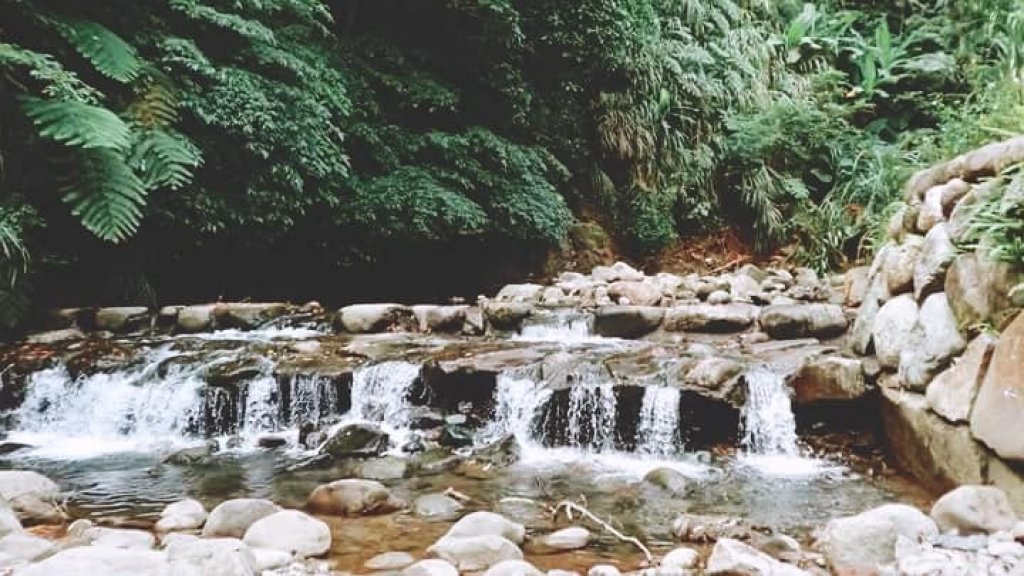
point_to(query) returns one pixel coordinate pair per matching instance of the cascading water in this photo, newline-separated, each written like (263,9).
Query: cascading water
(380,393)
(769,427)
(658,426)
(592,412)
(311,398)
(518,399)
(561,326)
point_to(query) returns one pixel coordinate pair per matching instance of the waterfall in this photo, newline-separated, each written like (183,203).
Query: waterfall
(310,399)
(560,326)
(769,427)
(260,406)
(592,412)
(658,426)
(518,399)
(380,393)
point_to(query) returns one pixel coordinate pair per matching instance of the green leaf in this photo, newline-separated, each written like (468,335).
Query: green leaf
(106,195)
(77,123)
(107,51)
(164,159)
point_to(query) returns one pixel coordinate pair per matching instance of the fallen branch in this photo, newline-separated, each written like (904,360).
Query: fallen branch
(729,264)
(570,507)
(453,493)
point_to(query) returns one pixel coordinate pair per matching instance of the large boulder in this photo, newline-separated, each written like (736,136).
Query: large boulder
(627,321)
(855,285)
(94,560)
(828,378)
(713,373)
(974,510)
(373,318)
(935,342)
(734,558)
(894,329)
(102,536)
(487,523)
(802,320)
(898,269)
(979,290)
(181,515)
(290,531)
(635,293)
(231,518)
(710,318)
(951,394)
(122,318)
(996,417)
(198,318)
(507,316)
(863,542)
(33,497)
(357,441)
(520,293)
(353,497)
(937,254)
(472,553)
(443,319)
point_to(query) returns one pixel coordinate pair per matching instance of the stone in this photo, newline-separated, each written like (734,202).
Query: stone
(519,293)
(893,329)
(197,318)
(708,528)
(231,518)
(936,340)
(554,296)
(171,537)
(743,287)
(267,559)
(193,455)
(862,542)
(603,570)
(684,558)
(803,320)
(951,394)
(471,553)
(55,336)
(374,318)
(974,510)
(855,286)
(248,315)
(95,560)
(271,441)
(386,468)
(979,290)
(32,496)
(713,373)
(487,524)
(122,318)
(9,523)
(616,272)
(440,319)
(513,568)
(431,567)
(926,445)
(931,213)
(437,508)
(357,441)
(635,293)
(389,561)
(996,417)
(506,316)
(781,547)
(719,297)
(290,531)
(181,515)
(118,538)
(733,558)
(572,538)
(937,253)
(709,318)
(898,268)
(27,547)
(668,479)
(212,556)
(829,378)
(627,321)
(352,497)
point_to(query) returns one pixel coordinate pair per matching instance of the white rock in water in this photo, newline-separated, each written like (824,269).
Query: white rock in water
(31,495)
(733,558)
(604,570)
(119,538)
(431,567)
(488,523)
(290,531)
(232,518)
(474,553)
(182,515)
(267,559)
(568,538)
(390,561)
(219,556)
(176,537)
(557,572)
(681,558)
(513,568)
(26,547)
(99,560)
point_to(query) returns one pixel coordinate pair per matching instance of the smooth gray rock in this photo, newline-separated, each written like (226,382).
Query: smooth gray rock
(894,329)
(974,510)
(803,320)
(864,541)
(476,552)
(733,558)
(197,318)
(437,508)
(513,568)
(352,497)
(390,561)
(951,394)
(937,254)
(668,479)
(9,523)
(181,515)
(32,496)
(635,293)
(97,560)
(122,318)
(627,321)
(519,293)
(571,538)
(684,558)
(231,518)
(431,567)
(487,523)
(373,318)
(936,340)
(290,531)
(996,418)
(829,378)
(27,547)
(708,318)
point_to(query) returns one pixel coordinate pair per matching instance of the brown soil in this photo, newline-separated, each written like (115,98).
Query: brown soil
(715,252)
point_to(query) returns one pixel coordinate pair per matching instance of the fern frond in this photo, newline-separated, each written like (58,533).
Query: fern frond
(163,158)
(106,195)
(157,104)
(57,82)
(77,123)
(245,27)
(107,51)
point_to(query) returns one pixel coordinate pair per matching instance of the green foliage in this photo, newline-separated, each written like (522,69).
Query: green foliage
(78,124)
(997,223)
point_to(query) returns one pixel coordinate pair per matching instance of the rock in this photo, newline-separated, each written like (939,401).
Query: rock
(743,287)
(247,315)
(603,570)
(931,210)
(627,321)
(733,558)
(855,286)
(192,456)
(719,297)
(231,518)
(974,510)
(506,316)
(951,394)
(668,479)
(781,547)
(455,436)
(937,254)
(513,568)
(96,560)
(803,320)
(684,558)
(26,547)
(636,293)
(893,329)
(487,524)
(979,290)
(357,441)
(182,515)
(389,561)
(386,468)
(118,538)
(520,293)
(864,541)
(829,378)
(9,523)
(898,268)
(55,336)
(32,496)
(270,559)
(752,271)
(196,318)
(431,567)
(352,497)
(171,537)
(935,342)
(554,296)
(437,508)
(271,441)
(122,318)
(504,451)
(475,552)
(374,318)
(213,556)
(709,318)
(996,417)
(708,528)
(713,373)
(616,272)
(290,531)
(571,538)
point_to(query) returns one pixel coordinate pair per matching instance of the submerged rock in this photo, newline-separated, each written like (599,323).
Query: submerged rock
(290,531)
(357,441)
(353,497)
(192,456)
(437,508)
(571,538)
(502,452)
(231,518)
(668,479)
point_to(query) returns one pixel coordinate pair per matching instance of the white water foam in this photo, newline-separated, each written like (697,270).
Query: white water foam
(565,327)
(658,427)
(258,335)
(380,396)
(593,410)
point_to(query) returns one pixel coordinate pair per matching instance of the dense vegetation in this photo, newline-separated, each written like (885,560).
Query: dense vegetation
(181,148)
